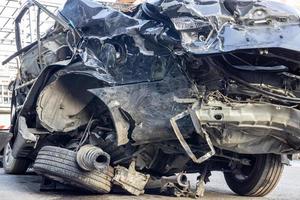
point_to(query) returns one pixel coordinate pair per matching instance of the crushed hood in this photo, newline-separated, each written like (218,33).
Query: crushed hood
(193,26)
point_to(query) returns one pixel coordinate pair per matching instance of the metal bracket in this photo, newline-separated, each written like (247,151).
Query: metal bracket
(200,188)
(199,130)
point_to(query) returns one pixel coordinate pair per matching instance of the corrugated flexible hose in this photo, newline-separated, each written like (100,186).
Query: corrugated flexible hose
(90,157)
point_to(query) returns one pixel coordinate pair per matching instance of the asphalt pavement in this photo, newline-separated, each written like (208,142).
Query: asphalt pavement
(27,187)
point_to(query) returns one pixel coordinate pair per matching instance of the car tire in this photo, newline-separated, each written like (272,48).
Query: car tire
(260,180)
(13,165)
(60,165)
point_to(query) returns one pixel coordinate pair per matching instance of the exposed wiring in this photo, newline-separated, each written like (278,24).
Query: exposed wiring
(246,84)
(86,132)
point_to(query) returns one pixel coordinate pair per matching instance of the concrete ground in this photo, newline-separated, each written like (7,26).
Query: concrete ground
(27,188)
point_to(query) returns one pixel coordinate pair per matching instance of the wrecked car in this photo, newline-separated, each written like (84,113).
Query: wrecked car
(127,96)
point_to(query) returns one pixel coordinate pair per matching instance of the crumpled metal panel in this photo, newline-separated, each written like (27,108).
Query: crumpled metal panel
(97,19)
(208,27)
(251,128)
(147,107)
(151,32)
(114,44)
(135,55)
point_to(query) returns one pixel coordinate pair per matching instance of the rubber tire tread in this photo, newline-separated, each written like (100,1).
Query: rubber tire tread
(267,172)
(60,164)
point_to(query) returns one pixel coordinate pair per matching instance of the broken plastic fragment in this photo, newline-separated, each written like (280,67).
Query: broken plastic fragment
(130,180)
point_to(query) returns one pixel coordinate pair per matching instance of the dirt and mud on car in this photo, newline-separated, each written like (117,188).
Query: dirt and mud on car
(135,97)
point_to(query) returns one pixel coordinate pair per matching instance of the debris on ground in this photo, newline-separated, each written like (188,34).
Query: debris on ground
(129,179)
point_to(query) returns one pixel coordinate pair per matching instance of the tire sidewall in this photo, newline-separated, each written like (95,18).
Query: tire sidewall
(246,186)
(8,160)
(259,182)
(56,170)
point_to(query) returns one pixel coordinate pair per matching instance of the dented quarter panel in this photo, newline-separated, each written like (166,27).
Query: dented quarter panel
(147,107)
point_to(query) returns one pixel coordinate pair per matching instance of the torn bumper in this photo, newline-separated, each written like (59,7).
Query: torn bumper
(251,128)
(242,128)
